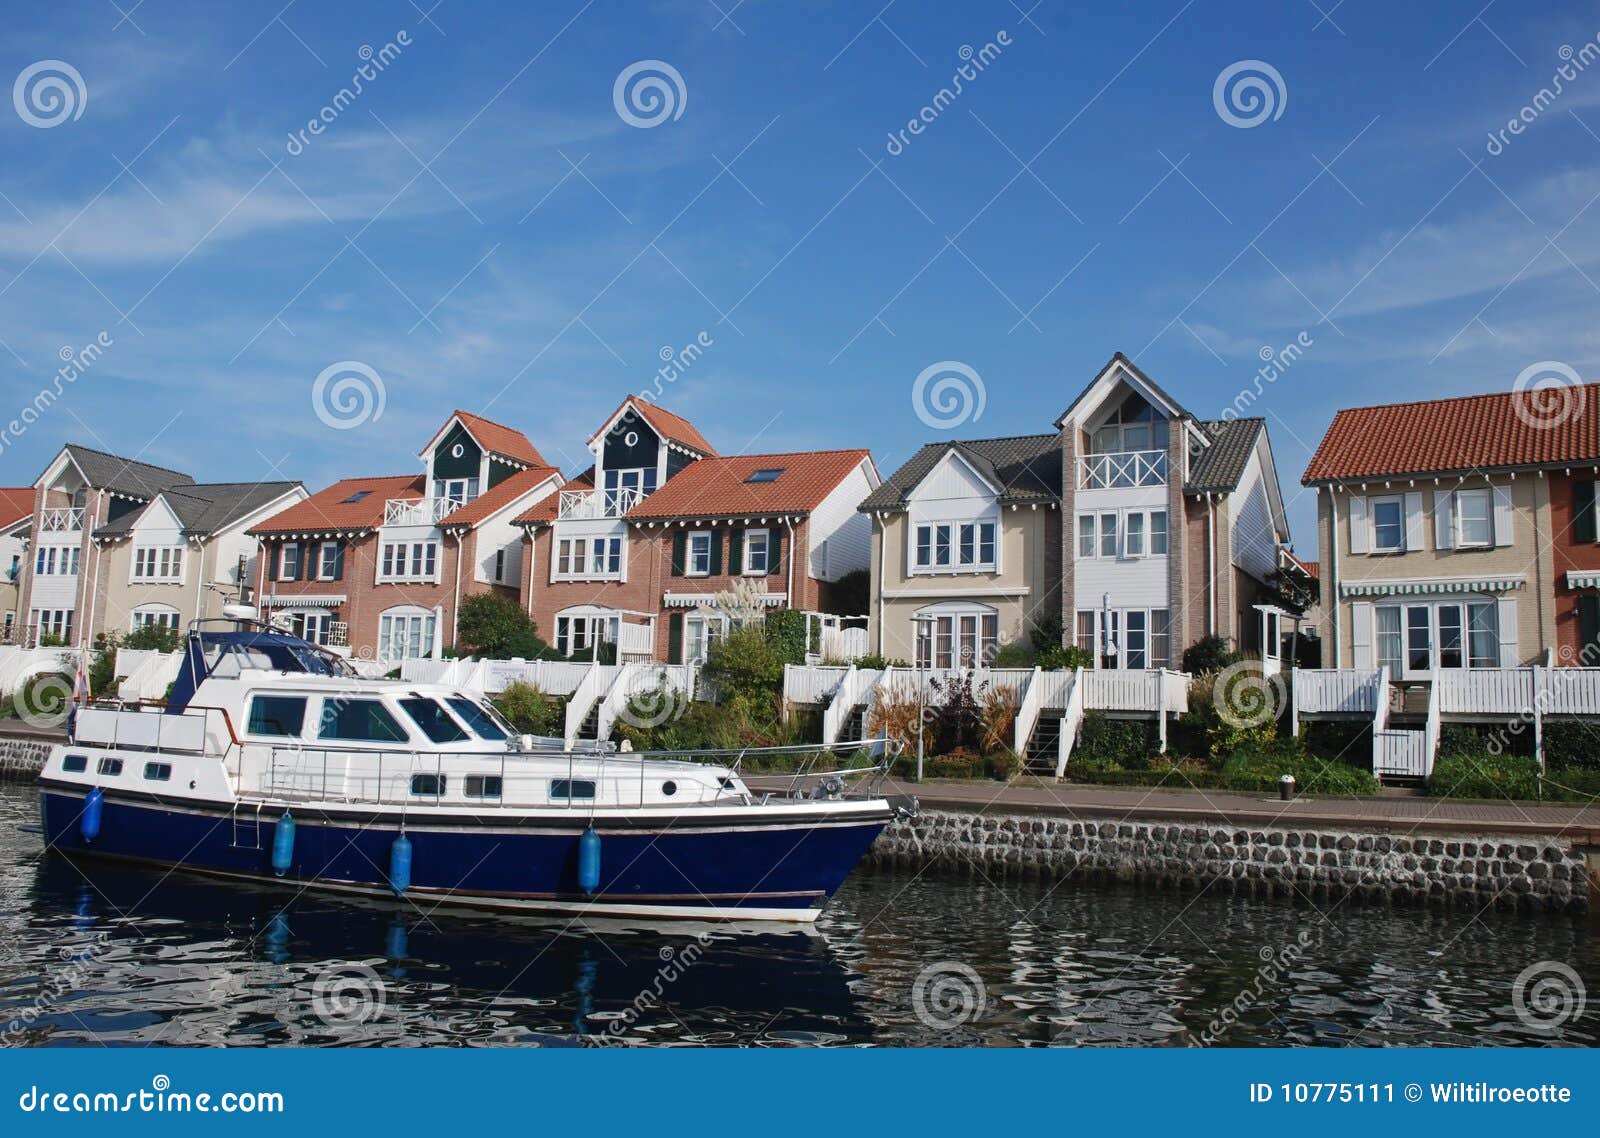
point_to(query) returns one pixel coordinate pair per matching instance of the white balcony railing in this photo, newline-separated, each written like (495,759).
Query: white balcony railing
(578,505)
(1122,469)
(61,519)
(419,511)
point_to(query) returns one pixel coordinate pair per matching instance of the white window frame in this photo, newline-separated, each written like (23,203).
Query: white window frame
(408,562)
(693,556)
(326,565)
(1090,631)
(158,565)
(283,561)
(1460,520)
(1399,503)
(164,615)
(1095,534)
(754,540)
(955,635)
(700,631)
(407,626)
(575,559)
(948,534)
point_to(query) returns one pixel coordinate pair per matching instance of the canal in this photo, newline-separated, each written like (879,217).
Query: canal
(96,954)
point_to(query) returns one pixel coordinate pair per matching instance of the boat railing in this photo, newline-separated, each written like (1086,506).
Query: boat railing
(197,730)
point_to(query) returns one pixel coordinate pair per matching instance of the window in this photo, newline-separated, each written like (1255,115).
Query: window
(1474,521)
(699,561)
(1136,639)
(500,565)
(700,632)
(963,546)
(359,721)
(75,764)
(1483,635)
(111,767)
(358,496)
(605,556)
(54,622)
(1085,638)
(1160,638)
(482,786)
(568,789)
(328,561)
(1412,639)
(577,632)
(1388,525)
(768,475)
(1133,536)
(432,718)
(959,636)
(158,772)
(458,490)
(409,561)
(158,616)
(57,561)
(280,715)
(1108,535)
(1158,533)
(627,488)
(1126,638)
(1388,637)
(1086,543)
(428,785)
(406,634)
(755,551)
(477,718)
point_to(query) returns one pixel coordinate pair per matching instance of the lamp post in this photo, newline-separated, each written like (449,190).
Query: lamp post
(923,634)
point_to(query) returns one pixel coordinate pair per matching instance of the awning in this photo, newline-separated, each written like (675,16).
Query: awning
(1412,588)
(698,600)
(310,601)
(1583,579)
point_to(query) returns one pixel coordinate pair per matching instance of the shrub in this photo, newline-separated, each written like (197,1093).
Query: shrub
(1056,658)
(786,630)
(1260,769)
(897,717)
(998,708)
(496,627)
(1127,742)
(1014,656)
(955,713)
(1207,655)
(1571,744)
(851,594)
(530,710)
(877,663)
(1046,632)
(745,663)
(1485,776)
(150,638)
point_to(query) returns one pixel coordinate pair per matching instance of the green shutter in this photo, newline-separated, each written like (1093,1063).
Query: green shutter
(272,553)
(675,638)
(338,562)
(1584,509)
(774,551)
(1588,625)
(680,543)
(736,551)
(716,553)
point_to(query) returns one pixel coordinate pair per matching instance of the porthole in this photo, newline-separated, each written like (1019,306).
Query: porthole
(669,788)
(457,451)
(631,438)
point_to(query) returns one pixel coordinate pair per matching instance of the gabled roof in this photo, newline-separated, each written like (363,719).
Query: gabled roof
(1219,466)
(720,487)
(123,475)
(1026,468)
(1508,429)
(1153,390)
(545,510)
(16,505)
(673,428)
(203,509)
(496,438)
(501,495)
(331,511)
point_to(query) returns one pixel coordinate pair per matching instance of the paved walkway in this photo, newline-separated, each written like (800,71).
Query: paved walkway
(1397,813)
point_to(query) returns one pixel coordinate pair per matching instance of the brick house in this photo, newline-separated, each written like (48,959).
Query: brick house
(1136,525)
(634,551)
(1459,533)
(381,565)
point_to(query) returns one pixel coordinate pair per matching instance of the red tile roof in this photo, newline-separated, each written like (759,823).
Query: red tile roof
(331,511)
(501,439)
(1313,569)
(718,487)
(16,503)
(1539,427)
(545,509)
(674,428)
(499,496)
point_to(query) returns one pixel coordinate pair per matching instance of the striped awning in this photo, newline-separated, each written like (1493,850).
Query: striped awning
(1583,579)
(310,600)
(698,600)
(1422,588)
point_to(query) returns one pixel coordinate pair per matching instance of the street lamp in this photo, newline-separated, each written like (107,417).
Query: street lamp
(923,635)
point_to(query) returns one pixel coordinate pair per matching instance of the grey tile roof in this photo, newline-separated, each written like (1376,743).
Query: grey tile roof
(1219,466)
(204,509)
(1026,467)
(110,472)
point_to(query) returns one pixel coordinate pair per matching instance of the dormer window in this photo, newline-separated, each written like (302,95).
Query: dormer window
(1132,426)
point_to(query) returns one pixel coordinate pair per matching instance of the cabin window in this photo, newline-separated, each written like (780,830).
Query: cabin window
(158,772)
(75,764)
(434,721)
(478,719)
(111,767)
(482,786)
(569,789)
(428,785)
(280,715)
(359,721)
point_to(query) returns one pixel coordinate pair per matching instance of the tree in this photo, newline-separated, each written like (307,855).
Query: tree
(496,627)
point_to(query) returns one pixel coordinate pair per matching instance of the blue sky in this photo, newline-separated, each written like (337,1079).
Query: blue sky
(481,227)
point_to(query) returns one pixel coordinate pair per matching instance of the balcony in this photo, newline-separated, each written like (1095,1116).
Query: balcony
(1122,470)
(419,511)
(61,519)
(589,505)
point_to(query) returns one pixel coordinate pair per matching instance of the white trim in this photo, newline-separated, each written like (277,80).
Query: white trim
(976,591)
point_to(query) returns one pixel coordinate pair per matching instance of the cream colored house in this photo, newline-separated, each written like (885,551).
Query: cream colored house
(183,555)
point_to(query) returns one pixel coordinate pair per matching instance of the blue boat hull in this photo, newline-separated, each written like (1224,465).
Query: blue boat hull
(780,870)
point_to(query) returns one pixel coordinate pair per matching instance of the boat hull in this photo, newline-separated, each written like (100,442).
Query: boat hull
(742,868)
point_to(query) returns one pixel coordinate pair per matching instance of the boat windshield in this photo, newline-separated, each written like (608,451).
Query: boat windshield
(480,719)
(230,659)
(433,720)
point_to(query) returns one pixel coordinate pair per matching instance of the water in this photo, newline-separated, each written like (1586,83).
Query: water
(106,955)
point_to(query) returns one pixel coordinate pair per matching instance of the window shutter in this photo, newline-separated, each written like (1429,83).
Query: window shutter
(680,544)
(1502,515)
(338,561)
(1509,656)
(1444,519)
(272,553)
(716,553)
(774,552)
(736,551)
(675,638)
(1588,626)
(1583,527)
(1360,533)
(1415,526)
(1361,635)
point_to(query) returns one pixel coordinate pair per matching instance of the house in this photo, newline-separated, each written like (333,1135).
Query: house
(1133,531)
(183,555)
(635,551)
(80,491)
(1458,534)
(16,518)
(381,565)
